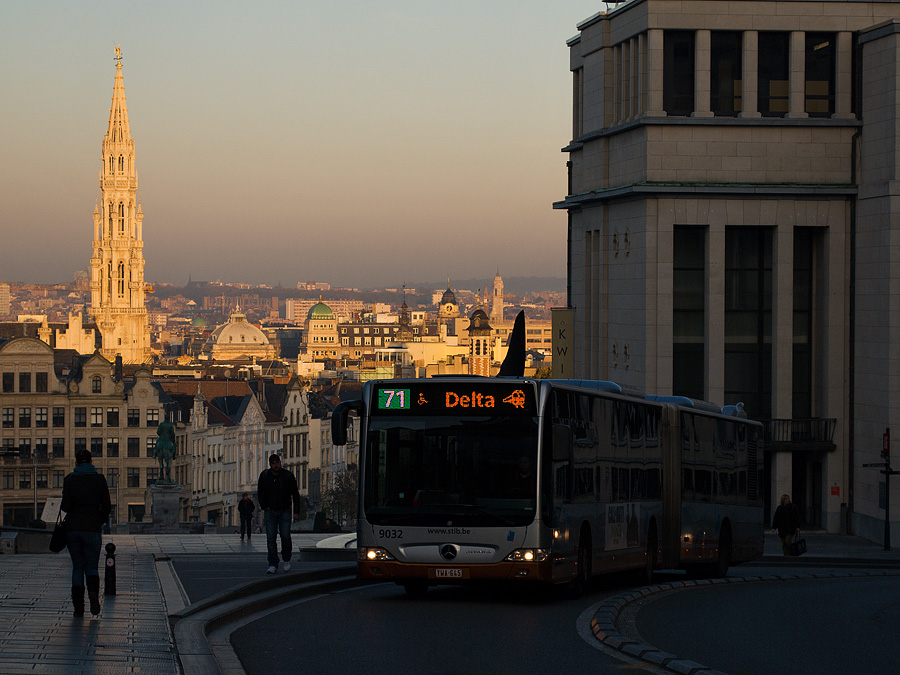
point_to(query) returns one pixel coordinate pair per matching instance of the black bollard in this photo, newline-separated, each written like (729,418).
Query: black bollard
(109,587)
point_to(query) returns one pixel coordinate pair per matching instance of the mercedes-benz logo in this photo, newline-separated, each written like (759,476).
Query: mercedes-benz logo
(448,551)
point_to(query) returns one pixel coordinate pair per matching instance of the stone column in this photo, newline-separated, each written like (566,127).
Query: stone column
(702,44)
(655,55)
(715,310)
(797,97)
(782,348)
(750,75)
(843,76)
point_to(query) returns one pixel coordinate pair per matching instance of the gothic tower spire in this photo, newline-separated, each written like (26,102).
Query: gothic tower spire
(117,265)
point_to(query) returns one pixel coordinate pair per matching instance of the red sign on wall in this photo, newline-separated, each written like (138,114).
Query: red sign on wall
(835,491)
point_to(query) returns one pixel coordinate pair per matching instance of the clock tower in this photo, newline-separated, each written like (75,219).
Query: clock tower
(117,265)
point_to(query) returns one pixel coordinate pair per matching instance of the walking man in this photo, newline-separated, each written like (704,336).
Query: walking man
(277,492)
(246,507)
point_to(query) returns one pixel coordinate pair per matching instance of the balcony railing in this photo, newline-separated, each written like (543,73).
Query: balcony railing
(799,431)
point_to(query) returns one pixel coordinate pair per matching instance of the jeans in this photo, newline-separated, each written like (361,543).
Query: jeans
(84,549)
(278,522)
(246,525)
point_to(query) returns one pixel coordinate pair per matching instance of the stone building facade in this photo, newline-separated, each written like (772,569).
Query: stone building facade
(733,226)
(49,411)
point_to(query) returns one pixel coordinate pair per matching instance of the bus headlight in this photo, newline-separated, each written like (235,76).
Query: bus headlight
(374,554)
(528,555)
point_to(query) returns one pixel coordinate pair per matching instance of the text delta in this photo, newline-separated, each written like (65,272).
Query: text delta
(473,400)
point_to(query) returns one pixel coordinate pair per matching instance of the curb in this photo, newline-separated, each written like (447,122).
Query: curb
(604,628)
(192,625)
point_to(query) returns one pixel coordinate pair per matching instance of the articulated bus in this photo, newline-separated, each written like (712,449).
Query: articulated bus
(468,479)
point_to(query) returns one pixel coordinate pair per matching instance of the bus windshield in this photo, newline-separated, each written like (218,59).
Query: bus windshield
(461,470)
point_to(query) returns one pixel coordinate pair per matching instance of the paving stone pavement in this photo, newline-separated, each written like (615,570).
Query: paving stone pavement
(39,634)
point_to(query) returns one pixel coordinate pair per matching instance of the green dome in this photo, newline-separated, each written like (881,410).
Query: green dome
(199,322)
(320,311)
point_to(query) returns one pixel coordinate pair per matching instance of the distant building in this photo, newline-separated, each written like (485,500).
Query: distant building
(117,265)
(238,340)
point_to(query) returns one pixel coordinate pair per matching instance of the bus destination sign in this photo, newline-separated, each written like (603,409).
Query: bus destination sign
(456,398)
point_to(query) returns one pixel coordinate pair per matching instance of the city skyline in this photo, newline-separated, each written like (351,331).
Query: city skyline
(378,146)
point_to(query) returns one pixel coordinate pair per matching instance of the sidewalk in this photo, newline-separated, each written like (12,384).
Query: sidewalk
(132,635)
(839,549)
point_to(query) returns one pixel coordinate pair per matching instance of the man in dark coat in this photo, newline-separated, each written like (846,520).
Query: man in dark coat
(277,492)
(246,507)
(85,500)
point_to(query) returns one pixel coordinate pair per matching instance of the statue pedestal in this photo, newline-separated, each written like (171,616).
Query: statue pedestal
(164,506)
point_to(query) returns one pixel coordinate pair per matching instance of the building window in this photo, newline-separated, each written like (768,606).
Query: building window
(807,241)
(96,385)
(9,418)
(8,382)
(40,448)
(748,319)
(774,73)
(24,418)
(688,311)
(40,382)
(59,416)
(678,72)
(59,448)
(726,66)
(97,447)
(9,480)
(40,418)
(112,477)
(25,480)
(96,417)
(134,446)
(121,221)
(820,72)
(25,447)
(80,417)
(79,444)
(24,383)
(152,476)
(151,446)
(134,477)
(43,478)
(134,417)
(152,417)
(112,447)
(58,478)
(112,417)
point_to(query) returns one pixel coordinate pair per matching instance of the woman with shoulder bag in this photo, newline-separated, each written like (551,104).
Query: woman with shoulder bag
(87,506)
(786,522)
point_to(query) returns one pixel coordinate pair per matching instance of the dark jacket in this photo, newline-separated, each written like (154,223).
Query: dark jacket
(85,500)
(277,491)
(786,519)
(246,507)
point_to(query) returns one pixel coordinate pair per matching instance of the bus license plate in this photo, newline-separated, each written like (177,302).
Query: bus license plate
(449,573)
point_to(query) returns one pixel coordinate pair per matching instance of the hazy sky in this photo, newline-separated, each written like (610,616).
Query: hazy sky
(356,142)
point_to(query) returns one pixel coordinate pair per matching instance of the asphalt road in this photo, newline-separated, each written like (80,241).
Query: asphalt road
(823,626)
(453,630)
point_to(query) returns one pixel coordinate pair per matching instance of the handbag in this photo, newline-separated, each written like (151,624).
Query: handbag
(58,538)
(798,545)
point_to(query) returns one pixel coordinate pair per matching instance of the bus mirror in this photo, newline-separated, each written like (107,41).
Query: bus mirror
(562,442)
(339,419)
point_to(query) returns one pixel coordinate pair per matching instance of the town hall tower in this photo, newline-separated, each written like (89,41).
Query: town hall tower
(117,266)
